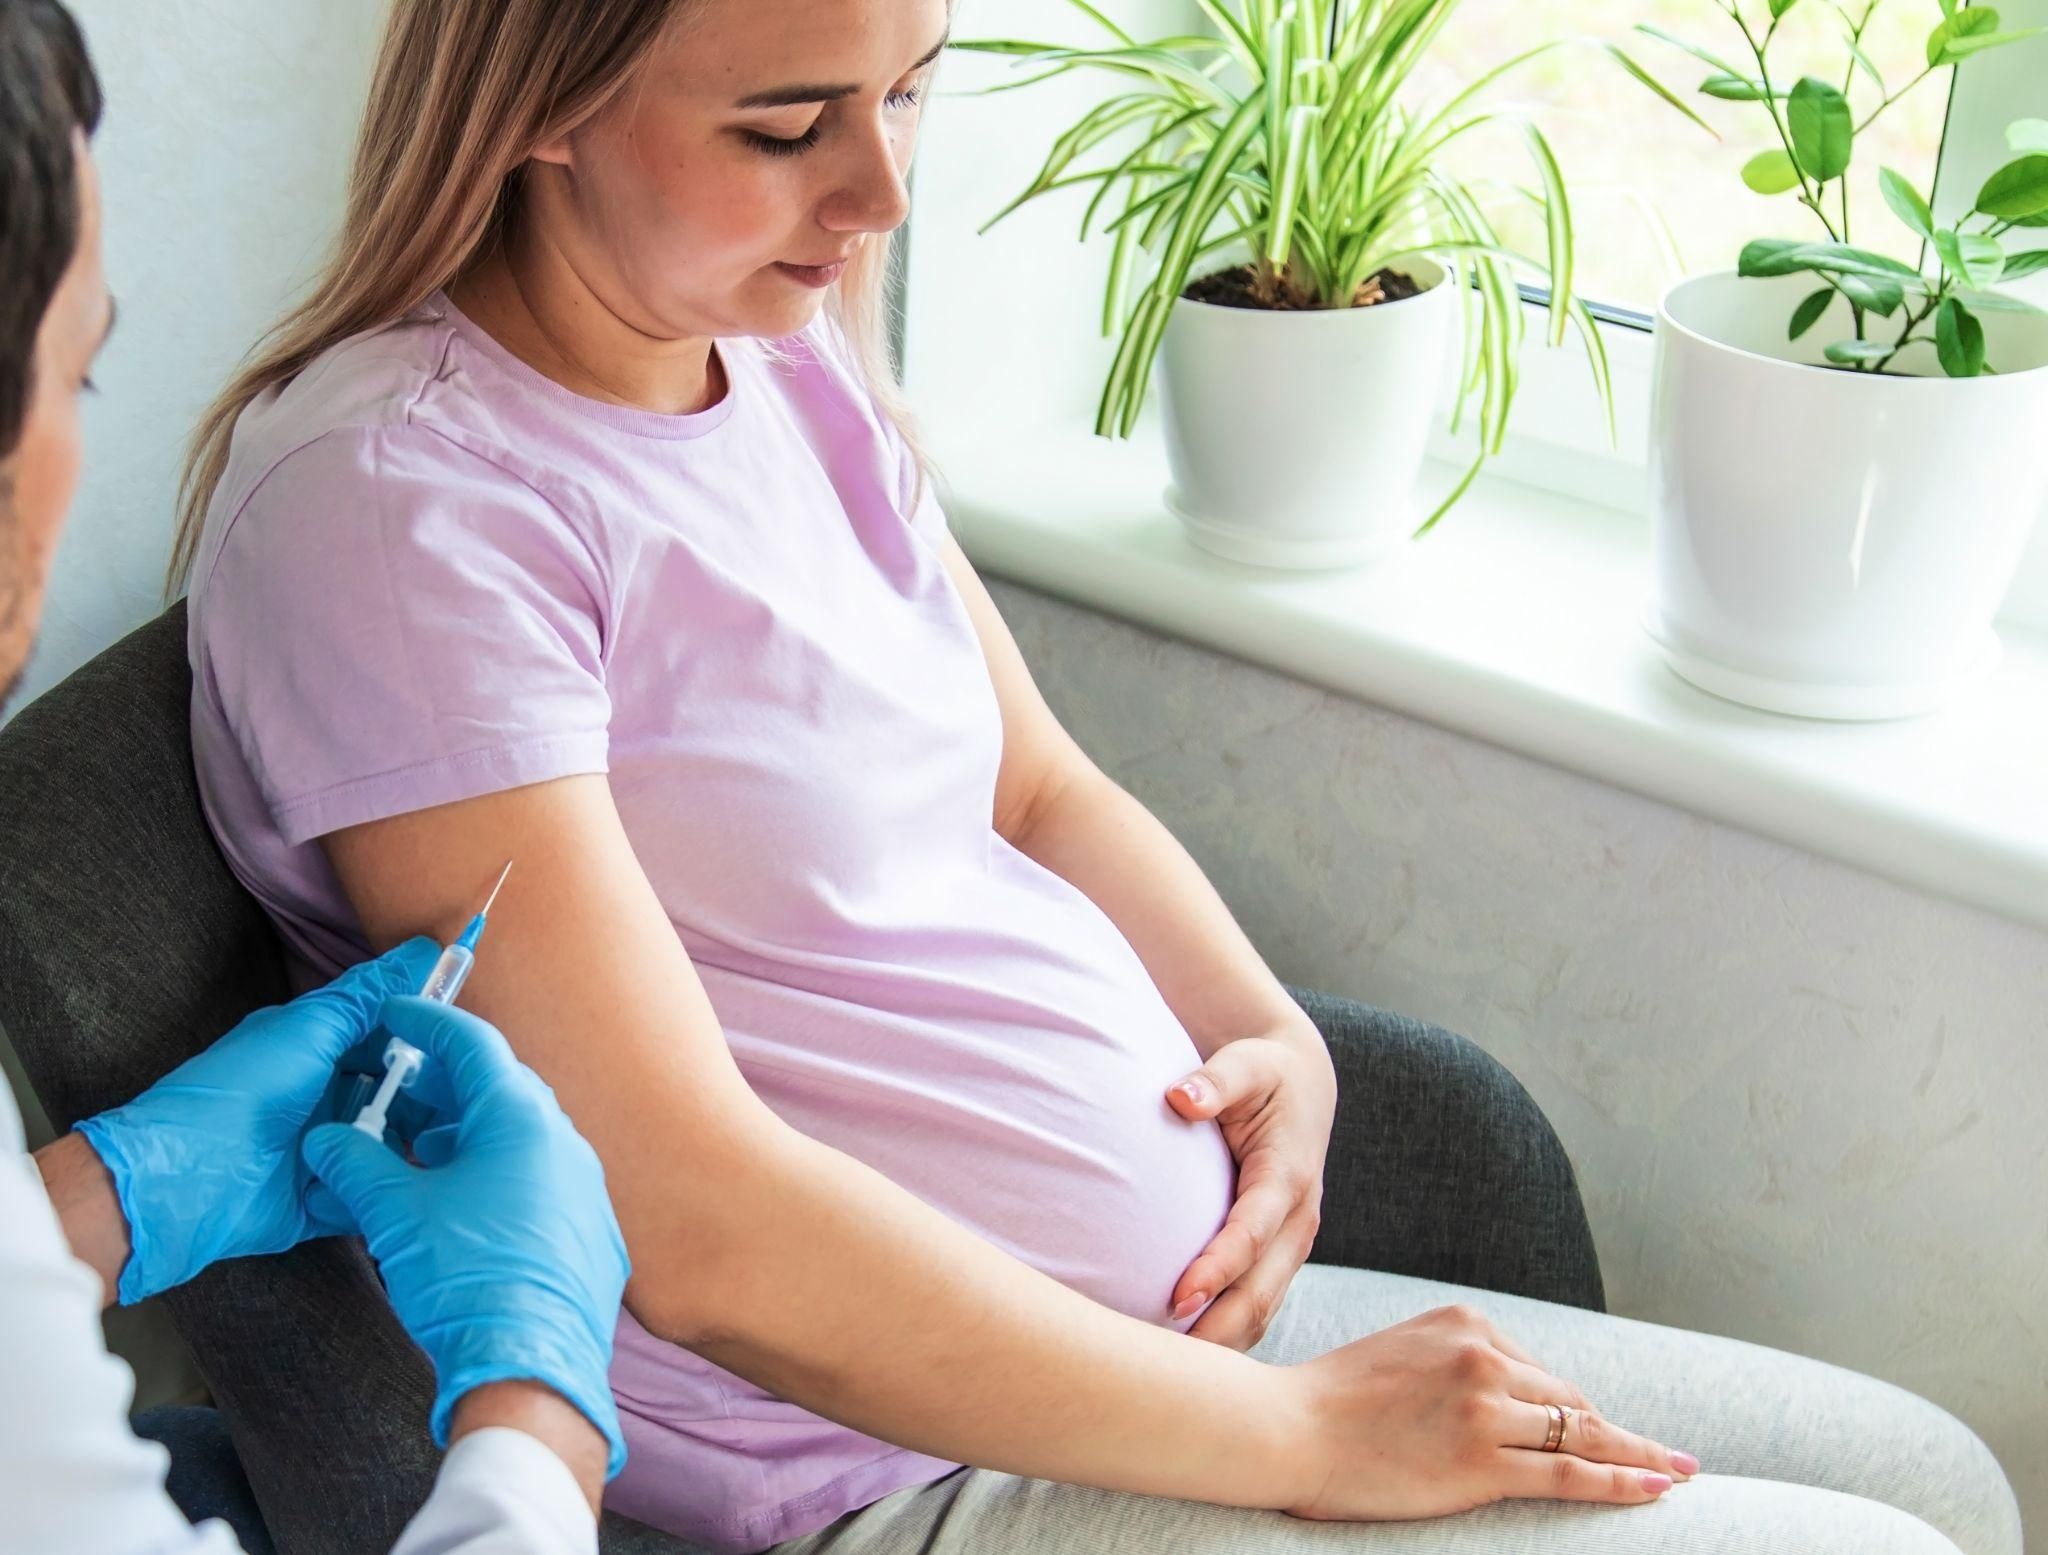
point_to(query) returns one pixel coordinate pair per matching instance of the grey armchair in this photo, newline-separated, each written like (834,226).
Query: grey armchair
(127,945)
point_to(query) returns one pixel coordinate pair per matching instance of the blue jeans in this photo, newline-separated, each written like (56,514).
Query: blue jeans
(206,1478)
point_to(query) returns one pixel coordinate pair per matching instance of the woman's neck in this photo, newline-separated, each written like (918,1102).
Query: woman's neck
(529,298)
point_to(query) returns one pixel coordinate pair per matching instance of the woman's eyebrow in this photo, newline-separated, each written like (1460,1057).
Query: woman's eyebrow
(805,92)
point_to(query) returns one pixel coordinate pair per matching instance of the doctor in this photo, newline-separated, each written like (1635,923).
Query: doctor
(501,1254)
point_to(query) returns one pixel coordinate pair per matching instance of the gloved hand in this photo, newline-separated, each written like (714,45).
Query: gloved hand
(206,1161)
(500,1253)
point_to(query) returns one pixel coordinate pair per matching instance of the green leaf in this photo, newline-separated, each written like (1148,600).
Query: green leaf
(1963,48)
(1136,166)
(1997,302)
(2027,135)
(2020,188)
(1771,256)
(1704,56)
(1561,251)
(1279,82)
(1019,46)
(1622,58)
(1117,32)
(1300,131)
(1847,353)
(1808,313)
(2029,263)
(1958,340)
(1823,130)
(1770,172)
(1780,7)
(1731,88)
(1233,29)
(1874,293)
(1866,64)
(1843,258)
(1906,203)
(1957,25)
(1971,257)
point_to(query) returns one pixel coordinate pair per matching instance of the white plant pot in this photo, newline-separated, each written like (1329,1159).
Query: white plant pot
(1296,438)
(1828,543)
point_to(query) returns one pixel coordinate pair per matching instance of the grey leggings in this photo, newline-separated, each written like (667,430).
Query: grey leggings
(1797,1458)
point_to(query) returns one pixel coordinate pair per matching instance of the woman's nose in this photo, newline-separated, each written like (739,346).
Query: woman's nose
(874,195)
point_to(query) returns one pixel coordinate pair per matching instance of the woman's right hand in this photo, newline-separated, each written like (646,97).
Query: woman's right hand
(1443,1413)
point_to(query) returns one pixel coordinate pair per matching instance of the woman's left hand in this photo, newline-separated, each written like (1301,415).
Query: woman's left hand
(1274,1095)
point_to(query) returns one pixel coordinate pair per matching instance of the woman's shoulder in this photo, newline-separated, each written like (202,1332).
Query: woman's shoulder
(418,375)
(384,403)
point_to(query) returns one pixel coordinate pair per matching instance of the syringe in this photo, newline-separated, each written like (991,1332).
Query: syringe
(402,1061)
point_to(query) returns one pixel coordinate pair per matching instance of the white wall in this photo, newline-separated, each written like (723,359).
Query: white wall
(223,158)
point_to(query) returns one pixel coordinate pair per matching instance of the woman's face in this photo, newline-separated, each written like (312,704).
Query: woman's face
(39,478)
(759,135)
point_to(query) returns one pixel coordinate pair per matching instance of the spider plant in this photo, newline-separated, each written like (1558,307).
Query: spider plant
(1291,132)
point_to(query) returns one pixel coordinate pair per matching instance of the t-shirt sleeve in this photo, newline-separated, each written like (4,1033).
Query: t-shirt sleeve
(394,621)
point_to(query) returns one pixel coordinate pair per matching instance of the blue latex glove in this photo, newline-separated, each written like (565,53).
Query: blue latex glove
(206,1161)
(500,1253)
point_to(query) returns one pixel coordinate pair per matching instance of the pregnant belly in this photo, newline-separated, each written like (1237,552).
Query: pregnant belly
(1028,1107)
(1049,1137)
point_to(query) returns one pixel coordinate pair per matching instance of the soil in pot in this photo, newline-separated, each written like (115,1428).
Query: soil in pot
(1238,287)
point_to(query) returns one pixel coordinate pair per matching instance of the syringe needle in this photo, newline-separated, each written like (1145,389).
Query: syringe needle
(496,888)
(401,1059)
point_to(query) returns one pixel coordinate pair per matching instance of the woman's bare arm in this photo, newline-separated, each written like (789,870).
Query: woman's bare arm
(768,1253)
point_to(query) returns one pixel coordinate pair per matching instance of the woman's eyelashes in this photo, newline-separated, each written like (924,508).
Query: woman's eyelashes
(792,145)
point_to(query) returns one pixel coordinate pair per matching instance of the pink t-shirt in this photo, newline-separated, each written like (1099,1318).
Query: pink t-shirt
(432,573)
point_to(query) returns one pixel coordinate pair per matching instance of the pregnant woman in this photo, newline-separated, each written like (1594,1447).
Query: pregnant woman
(573,520)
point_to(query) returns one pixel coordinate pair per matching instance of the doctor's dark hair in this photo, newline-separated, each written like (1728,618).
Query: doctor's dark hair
(48,97)
(463,92)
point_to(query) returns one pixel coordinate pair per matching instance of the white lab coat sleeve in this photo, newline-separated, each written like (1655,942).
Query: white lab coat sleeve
(74,1478)
(501,1492)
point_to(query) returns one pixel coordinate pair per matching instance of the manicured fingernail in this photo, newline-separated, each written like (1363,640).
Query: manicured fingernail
(1190,1303)
(1685,1463)
(1196,1091)
(1656,1484)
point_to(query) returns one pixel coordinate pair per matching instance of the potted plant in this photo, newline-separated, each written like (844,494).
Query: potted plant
(1311,254)
(1847,451)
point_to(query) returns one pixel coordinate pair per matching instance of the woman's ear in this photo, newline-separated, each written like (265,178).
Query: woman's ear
(555,151)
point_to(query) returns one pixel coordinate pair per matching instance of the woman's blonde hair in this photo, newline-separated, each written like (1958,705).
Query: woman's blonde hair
(464,91)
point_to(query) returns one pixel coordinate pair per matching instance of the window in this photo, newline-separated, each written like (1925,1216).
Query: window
(1006,327)
(1655,196)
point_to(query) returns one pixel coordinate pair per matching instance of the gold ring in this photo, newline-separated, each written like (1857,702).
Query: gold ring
(1555,1438)
(1564,1428)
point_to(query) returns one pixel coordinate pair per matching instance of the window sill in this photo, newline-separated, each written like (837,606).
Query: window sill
(1516,621)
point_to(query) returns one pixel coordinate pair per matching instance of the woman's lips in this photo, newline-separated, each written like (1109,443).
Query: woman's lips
(813,275)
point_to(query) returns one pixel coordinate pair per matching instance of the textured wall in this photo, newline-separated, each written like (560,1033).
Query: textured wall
(1805,1103)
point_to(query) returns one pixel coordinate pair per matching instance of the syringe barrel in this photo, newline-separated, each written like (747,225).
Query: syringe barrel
(449,974)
